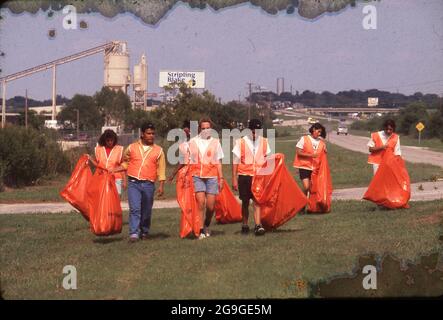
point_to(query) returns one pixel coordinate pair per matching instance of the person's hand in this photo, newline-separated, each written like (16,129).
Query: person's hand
(221,183)
(170,179)
(124,184)
(315,155)
(234,184)
(160,191)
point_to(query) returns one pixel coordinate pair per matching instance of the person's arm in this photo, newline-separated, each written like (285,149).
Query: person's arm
(375,149)
(235,176)
(300,153)
(124,165)
(174,173)
(161,173)
(93,161)
(220,175)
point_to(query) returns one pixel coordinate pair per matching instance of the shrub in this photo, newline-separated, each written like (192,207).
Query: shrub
(26,155)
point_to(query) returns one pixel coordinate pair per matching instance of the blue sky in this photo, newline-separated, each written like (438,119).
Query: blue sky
(241,44)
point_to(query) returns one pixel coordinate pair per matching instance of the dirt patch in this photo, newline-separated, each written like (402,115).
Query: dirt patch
(434,218)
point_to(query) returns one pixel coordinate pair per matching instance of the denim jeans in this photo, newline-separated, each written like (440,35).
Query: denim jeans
(141,199)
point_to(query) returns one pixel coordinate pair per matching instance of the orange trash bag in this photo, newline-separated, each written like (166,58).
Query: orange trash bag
(105,212)
(320,193)
(390,187)
(278,195)
(227,208)
(190,217)
(75,190)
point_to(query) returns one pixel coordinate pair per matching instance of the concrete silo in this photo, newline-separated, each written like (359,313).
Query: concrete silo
(140,84)
(117,74)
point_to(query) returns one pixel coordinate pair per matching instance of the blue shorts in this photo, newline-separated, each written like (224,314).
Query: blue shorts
(207,185)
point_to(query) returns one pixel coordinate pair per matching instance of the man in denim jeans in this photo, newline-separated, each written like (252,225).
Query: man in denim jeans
(144,162)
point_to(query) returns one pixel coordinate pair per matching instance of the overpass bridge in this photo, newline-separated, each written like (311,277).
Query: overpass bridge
(342,110)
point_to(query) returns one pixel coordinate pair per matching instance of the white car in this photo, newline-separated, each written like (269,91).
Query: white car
(343,129)
(289,108)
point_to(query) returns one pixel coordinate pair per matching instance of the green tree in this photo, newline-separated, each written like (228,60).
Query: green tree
(35,120)
(89,114)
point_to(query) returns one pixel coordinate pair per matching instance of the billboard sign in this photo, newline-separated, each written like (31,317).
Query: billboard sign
(372,102)
(193,79)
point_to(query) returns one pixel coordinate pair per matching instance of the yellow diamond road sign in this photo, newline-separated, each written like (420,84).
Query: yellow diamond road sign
(420,126)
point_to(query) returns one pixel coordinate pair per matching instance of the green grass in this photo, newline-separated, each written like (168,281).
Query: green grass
(348,169)
(35,248)
(433,144)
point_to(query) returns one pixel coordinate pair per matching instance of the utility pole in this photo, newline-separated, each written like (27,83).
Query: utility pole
(26,109)
(78,124)
(250,100)
(4,104)
(54,96)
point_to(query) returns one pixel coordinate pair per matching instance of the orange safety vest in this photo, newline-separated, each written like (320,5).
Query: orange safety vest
(204,165)
(250,162)
(307,162)
(112,161)
(376,157)
(143,165)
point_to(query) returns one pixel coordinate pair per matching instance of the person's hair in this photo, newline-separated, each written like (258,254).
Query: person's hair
(204,120)
(316,125)
(255,124)
(107,134)
(147,125)
(186,124)
(323,132)
(389,123)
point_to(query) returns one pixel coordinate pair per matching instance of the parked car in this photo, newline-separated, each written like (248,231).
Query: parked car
(289,108)
(343,129)
(277,121)
(311,120)
(69,137)
(83,137)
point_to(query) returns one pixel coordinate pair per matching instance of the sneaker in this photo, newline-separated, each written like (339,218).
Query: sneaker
(207,233)
(202,236)
(259,230)
(245,229)
(144,236)
(133,238)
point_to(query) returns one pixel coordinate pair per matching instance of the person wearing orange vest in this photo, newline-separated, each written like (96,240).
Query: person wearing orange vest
(205,153)
(382,140)
(144,162)
(308,151)
(183,149)
(249,154)
(109,155)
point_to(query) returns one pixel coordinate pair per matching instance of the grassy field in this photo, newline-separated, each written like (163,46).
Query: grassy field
(35,248)
(433,144)
(348,169)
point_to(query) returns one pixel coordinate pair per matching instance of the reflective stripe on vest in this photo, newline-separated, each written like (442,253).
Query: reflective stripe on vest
(204,166)
(250,162)
(376,157)
(308,163)
(143,165)
(112,161)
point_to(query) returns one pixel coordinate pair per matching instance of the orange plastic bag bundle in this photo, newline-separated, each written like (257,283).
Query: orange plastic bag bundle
(278,194)
(227,208)
(105,212)
(390,187)
(320,193)
(75,190)
(190,217)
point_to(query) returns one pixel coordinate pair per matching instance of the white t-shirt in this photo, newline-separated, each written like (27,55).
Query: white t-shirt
(315,142)
(384,140)
(203,144)
(251,145)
